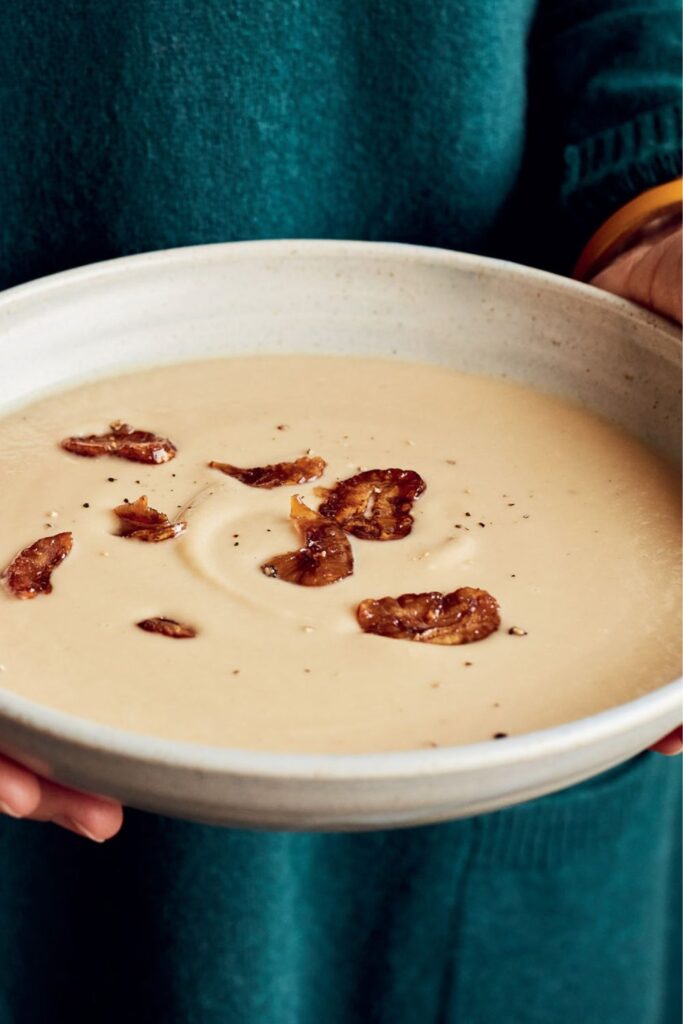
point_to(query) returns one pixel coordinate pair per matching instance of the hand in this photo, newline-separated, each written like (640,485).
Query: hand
(671,744)
(25,795)
(650,274)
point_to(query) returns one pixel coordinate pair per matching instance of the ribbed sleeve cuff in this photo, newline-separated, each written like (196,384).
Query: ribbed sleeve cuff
(607,170)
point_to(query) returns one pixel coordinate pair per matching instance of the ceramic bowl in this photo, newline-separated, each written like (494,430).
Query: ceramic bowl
(447,308)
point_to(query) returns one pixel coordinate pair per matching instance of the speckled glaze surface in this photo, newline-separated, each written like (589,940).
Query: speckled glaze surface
(446,308)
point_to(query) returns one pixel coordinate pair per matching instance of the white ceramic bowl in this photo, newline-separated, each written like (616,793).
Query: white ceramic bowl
(456,310)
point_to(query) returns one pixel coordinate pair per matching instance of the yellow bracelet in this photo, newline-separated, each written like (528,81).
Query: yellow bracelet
(612,237)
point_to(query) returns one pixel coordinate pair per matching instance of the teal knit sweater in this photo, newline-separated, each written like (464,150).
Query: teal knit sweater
(506,127)
(485,125)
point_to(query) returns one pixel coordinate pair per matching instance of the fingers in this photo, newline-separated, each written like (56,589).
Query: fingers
(19,789)
(671,744)
(650,274)
(25,795)
(655,281)
(94,817)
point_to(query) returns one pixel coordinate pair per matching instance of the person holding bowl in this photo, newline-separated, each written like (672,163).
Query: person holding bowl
(544,132)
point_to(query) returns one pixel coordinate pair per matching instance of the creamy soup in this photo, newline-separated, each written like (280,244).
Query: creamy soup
(569,523)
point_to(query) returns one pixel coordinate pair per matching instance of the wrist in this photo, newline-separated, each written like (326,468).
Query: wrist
(650,215)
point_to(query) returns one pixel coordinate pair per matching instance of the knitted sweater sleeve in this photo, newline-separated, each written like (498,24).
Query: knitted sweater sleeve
(604,105)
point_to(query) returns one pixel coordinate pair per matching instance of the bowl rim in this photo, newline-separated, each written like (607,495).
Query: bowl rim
(156,751)
(218,252)
(144,749)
